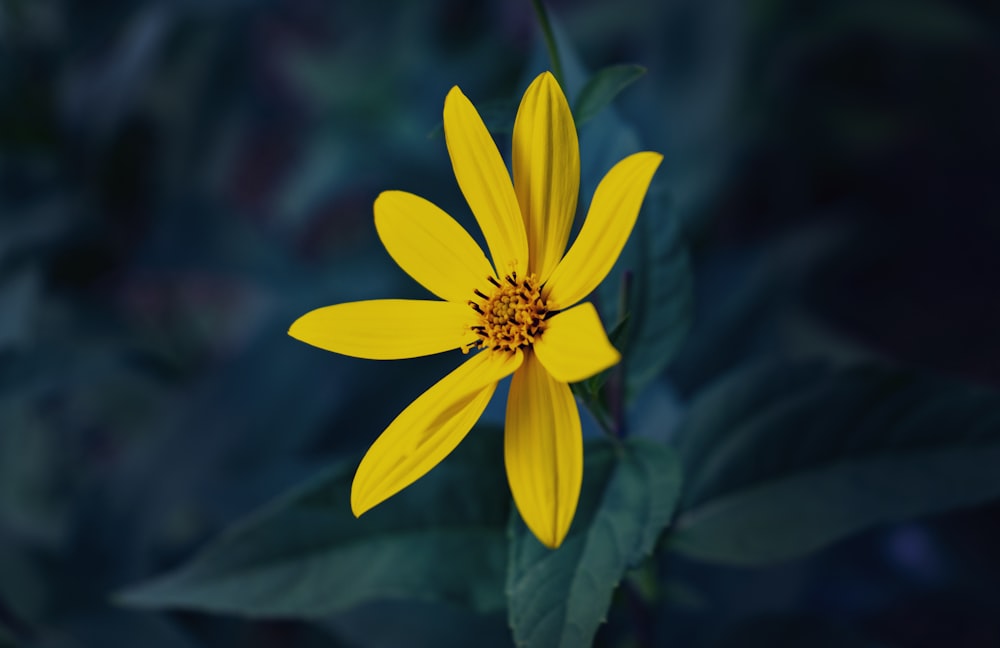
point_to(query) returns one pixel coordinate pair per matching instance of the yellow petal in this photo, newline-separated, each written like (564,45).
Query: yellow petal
(574,346)
(484,181)
(609,222)
(430,246)
(387,329)
(546,162)
(543,450)
(429,429)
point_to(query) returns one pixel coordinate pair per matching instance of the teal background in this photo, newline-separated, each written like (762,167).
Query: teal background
(180,181)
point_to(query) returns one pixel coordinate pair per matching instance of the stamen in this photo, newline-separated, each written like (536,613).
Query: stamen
(513,317)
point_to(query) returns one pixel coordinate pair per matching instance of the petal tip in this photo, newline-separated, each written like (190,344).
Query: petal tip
(546,77)
(550,538)
(614,357)
(359,504)
(454,94)
(555,541)
(653,157)
(295,328)
(383,196)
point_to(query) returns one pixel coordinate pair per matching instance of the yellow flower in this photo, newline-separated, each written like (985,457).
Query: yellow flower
(520,312)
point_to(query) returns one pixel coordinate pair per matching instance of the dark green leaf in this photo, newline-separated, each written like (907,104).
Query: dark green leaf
(602,88)
(559,598)
(306,556)
(655,271)
(784,459)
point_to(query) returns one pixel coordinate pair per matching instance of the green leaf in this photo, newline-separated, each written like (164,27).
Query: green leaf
(602,88)
(559,598)
(655,272)
(306,556)
(784,459)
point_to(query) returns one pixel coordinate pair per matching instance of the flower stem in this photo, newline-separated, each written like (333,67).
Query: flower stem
(550,39)
(621,373)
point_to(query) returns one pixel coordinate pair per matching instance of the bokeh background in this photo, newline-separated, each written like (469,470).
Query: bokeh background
(181,180)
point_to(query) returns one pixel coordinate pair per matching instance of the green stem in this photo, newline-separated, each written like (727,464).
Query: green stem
(550,39)
(620,378)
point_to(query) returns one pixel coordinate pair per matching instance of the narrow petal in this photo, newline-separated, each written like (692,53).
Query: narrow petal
(574,346)
(387,329)
(543,450)
(430,246)
(604,233)
(484,181)
(429,429)
(546,164)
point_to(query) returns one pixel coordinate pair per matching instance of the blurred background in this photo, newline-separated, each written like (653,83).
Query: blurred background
(181,180)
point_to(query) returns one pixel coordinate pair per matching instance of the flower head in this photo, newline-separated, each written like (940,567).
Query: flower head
(520,315)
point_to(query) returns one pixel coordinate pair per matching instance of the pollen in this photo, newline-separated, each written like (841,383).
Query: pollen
(512,317)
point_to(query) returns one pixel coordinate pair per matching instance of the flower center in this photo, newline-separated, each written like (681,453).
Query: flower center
(513,317)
